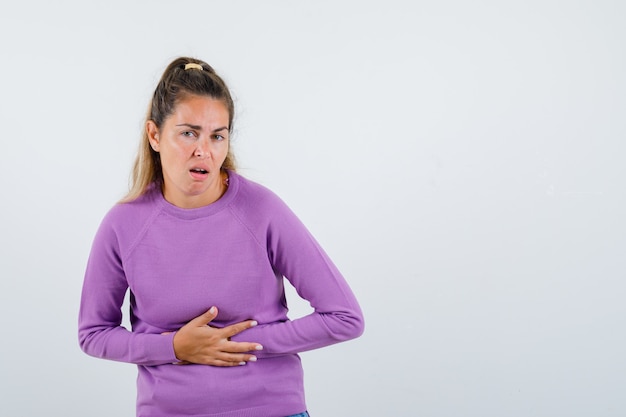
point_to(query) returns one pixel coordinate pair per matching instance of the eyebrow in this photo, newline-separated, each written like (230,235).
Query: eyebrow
(198,127)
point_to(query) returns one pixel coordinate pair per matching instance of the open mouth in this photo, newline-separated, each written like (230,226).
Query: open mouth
(199,171)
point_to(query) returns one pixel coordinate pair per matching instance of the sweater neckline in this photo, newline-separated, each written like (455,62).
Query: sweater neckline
(199,212)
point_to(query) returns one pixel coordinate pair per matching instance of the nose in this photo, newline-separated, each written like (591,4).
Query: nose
(202,148)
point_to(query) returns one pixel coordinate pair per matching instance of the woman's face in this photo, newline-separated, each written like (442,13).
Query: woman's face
(193,143)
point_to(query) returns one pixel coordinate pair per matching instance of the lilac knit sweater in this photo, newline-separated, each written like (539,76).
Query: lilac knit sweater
(232,254)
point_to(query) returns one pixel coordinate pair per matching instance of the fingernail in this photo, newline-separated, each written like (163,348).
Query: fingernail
(253,323)
(212,310)
(259,347)
(252,359)
(242,363)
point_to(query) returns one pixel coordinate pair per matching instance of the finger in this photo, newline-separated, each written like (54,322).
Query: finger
(241,347)
(231,359)
(205,318)
(237,328)
(217,362)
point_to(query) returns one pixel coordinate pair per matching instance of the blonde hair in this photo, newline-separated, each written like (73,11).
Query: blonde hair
(184,76)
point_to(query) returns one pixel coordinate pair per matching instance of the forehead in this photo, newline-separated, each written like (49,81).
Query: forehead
(200,110)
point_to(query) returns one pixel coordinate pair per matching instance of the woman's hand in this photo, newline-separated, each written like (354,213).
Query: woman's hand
(197,342)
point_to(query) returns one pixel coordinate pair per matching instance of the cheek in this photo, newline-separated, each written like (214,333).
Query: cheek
(224,151)
(171,157)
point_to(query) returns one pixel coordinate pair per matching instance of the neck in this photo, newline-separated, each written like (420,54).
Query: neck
(209,196)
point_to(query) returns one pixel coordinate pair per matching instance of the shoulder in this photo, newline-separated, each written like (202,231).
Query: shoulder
(128,213)
(252,195)
(126,220)
(261,208)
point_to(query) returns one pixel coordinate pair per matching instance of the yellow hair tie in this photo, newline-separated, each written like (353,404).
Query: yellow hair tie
(193,65)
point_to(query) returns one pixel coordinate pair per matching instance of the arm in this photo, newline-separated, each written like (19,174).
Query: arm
(102,335)
(296,255)
(100,331)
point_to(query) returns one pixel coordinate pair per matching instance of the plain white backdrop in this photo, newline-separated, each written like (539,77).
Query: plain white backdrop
(462,162)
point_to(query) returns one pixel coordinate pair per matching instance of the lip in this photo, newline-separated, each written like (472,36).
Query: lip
(199,175)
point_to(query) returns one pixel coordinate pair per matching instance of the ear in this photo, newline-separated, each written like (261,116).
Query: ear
(153,135)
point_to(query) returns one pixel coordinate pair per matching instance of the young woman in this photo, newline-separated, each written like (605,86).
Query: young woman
(203,252)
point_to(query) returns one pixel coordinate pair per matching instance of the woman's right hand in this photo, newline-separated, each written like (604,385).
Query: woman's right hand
(197,342)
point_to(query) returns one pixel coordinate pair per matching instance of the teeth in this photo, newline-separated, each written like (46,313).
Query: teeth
(202,171)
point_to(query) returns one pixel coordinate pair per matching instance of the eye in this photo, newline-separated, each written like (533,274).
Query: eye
(188,134)
(219,137)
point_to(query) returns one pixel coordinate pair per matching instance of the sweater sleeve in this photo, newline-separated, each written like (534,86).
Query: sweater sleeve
(295,254)
(100,332)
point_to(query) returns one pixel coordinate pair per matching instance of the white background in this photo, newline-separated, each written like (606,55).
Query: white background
(462,162)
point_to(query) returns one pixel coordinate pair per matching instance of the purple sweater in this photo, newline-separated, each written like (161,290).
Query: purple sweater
(232,254)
